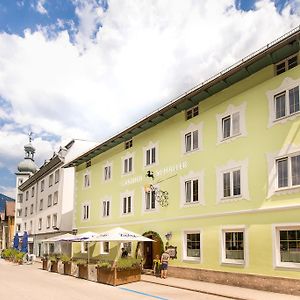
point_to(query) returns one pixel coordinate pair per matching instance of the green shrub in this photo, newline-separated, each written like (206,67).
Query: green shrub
(65,258)
(128,263)
(81,262)
(104,264)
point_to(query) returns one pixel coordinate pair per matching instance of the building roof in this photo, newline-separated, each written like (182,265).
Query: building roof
(272,53)
(10,208)
(3,200)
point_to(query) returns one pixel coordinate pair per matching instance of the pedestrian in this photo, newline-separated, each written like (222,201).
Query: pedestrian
(156,266)
(165,257)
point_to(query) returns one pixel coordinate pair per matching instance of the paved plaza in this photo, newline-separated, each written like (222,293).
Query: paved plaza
(32,283)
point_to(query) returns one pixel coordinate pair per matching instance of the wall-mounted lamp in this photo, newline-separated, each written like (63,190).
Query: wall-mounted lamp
(168,235)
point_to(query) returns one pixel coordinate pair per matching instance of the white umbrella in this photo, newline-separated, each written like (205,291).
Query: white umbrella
(85,236)
(119,234)
(59,238)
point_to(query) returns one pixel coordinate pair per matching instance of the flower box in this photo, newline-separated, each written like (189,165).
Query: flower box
(67,267)
(45,263)
(54,266)
(83,271)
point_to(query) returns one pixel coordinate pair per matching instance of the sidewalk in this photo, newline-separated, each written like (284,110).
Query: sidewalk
(227,291)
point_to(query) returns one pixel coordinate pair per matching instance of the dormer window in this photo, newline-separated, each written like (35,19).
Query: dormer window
(192,112)
(286,64)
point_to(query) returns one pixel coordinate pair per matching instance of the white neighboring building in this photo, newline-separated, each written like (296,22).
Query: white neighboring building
(47,198)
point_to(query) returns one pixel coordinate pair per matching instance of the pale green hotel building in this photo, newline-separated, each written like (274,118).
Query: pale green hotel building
(214,173)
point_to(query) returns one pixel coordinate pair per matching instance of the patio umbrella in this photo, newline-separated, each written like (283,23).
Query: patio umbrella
(24,247)
(60,238)
(16,241)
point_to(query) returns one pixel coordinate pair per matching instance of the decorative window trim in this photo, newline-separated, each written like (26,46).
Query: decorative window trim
(102,248)
(152,210)
(83,219)
(286,151)
(107,199)
(122,196)
(231,166)
(123,158)
(128,144)
(191,128)
(276,245)
(184,240)
(87,183)
(231,109)
(286,85)
(235,228)
(149,147)
(106,165)
(192,175)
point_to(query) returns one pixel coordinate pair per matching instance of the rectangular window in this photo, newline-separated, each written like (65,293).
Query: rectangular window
(55,198)
(50,180)
(30,226)
(18,227)
(286,103)
(56,176)
(87,180)
(48,221)
(234,246)
(86,211)
(32,191)
(192,112)
(31,209)
(25,211)
(20,181)
(288,171)
(106,208)
(150,200)
(104,248)
(41,204)
(20,198)
(191,191)
(27,195)
(150,156)
(232,183)
(192,245)
(107,172)
(191,141)
(127,165)
(42,185)
(54,221)
(19,213)
(49,200)
(40,224)
(289,245)
(128,247)
(287,64)
(127,205)
(231,125)
(88,164)
(128,144)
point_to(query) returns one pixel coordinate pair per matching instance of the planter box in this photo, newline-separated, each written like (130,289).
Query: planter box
(45,264)
(67,268)
(83,271)
(54,266)
(116,277)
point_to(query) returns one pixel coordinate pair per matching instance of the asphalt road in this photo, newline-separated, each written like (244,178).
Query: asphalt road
(32,283)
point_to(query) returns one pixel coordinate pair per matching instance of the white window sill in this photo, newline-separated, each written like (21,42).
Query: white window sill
(288,266)
(286,117)
(150,210)
(287,188)
(192,259)
(232,262)
(191,151)
(127,215)
(191,204)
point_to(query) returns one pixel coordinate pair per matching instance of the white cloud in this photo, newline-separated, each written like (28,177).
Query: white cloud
(40,7)
(145,54)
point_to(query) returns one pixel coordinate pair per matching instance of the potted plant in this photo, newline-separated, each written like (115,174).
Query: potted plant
(45,261)
(82,268)
(66,260)
(54,262)
(125,270)
(19,257)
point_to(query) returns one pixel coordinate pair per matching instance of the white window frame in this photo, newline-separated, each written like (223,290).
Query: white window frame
(234,229)
(26,212)
(103,211)
(288,150)
(107,176)
(40,224)
(42,185)
(184,243)
(54,220)
(41,205)
(50,180)
(190,130)
(19,213)
(144,206)
(31,208)
(193,111)
(48,221)
(230,112)
(149,148)
(32,191)
(244,187)
(126,158)
(231,181)
(85,211)
(56,176)
(286,85)
(50,200)
(286,64)
(276,245)
(18,226)
(123,196)
(191,176)
(55,198)
(26,195)
(102,248)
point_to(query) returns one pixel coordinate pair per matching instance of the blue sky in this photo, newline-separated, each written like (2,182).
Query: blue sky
(89,68)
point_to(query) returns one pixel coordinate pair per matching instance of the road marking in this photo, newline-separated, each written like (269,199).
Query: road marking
(141,293)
